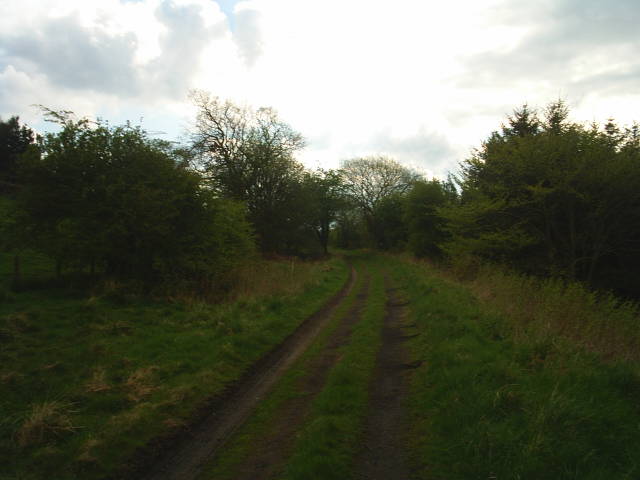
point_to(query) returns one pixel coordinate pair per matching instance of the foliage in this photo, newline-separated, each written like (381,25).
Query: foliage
(247,155)
(15,139)
(112,199)
(324,198)
(350,230)
(370,182)
(424,223)
(553,197)
(387,226)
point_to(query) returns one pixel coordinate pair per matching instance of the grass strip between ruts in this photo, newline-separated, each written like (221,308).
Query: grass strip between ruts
(328,441)
(243,442)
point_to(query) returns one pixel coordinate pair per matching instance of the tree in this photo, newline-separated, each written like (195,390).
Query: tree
(350,230)
(563,199)
(325,198)
(113,198)
(388,227)
(247,155)
(369,180)
(14,140)
(523,123)
(423,219)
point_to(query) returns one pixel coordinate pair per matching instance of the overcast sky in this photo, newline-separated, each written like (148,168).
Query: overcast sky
(423,81)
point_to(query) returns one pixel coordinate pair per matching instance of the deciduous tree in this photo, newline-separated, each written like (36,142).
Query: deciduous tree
(247,155)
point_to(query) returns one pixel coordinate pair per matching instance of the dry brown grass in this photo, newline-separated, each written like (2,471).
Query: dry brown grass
(173,423)
(139,384)
(98,381)
(539,308)
(545,308)
(45,421)
(10,377)
(124,420)
(271,277)
(86,454)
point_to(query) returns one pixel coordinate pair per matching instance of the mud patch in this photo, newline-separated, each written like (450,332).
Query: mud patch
(272,450)
(382,455)
(183,456)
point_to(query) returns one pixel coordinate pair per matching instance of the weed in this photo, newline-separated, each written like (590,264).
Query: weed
(44,421)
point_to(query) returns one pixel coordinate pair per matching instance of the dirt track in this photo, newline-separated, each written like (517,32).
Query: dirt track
(270,452)
(383,456)
(382,453)
(186,460)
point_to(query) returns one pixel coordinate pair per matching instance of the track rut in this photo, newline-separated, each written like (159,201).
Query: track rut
(186,460)
(272,449)
(383,453)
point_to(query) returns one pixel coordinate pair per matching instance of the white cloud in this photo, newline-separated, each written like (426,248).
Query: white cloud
(425,81)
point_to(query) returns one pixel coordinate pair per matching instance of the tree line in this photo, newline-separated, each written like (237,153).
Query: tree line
(542,194)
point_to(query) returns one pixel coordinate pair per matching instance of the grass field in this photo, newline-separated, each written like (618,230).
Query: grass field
(87,378)
(495,401)
(517,378)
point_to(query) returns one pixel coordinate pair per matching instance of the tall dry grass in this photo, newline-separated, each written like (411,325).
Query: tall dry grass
(43,421)
(284,276)
(539,309)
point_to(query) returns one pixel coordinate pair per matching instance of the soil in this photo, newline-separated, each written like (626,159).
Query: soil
(382,454)
(383,450)
(183,457)
(270,452)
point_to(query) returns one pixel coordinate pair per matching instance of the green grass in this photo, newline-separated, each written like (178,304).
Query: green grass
(488,403)
(329,440)
(536,307)
(501,393)
(261,423)
(85,381)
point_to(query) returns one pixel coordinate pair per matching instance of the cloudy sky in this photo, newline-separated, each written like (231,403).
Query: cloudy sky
(423,81)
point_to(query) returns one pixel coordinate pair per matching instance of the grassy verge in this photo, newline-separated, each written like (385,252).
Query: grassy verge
(328,441)
(595,321)
(492,401)
(86,380)
(260,424)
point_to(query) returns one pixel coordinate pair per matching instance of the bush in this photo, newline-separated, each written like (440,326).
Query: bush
(111,199)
